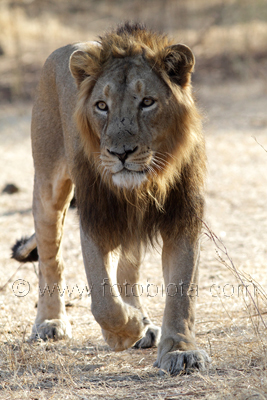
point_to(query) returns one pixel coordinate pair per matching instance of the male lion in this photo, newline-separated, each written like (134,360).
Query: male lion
(135,153)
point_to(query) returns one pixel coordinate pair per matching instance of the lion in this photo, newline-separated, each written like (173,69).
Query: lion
(116,119)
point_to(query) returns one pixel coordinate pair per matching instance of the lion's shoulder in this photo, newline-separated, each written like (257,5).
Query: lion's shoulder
(57,63)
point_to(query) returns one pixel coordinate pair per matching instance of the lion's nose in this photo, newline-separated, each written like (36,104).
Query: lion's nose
(123,156)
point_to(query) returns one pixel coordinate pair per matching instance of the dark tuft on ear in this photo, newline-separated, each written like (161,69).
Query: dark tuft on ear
(179,63)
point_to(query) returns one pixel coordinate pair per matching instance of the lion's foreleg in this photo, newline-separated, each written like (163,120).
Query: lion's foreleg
(50,203)
(177,349)
(122,324)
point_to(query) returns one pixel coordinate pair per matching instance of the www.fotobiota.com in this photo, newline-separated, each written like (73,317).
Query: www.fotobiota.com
(22,287)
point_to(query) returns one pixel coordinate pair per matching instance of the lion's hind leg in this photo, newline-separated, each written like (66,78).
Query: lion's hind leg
(151,337)
(131,293)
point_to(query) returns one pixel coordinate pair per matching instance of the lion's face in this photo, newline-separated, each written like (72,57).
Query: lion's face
(135,112)
(128,109)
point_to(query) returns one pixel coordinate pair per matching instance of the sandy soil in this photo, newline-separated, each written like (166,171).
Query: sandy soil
(235,123)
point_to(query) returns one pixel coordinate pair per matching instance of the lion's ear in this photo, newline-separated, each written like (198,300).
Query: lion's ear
(78,66)
(82,65)
(179,63)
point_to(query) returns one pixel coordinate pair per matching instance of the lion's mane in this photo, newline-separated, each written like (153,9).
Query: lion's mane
(169,203)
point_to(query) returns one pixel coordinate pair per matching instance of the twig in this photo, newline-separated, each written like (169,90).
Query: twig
(259,144)
(219,244)
(255,315)
(12,276)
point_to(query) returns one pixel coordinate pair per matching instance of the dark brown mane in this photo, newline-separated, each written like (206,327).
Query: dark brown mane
(171,204)
(130,28)
(132,39)
(117,221)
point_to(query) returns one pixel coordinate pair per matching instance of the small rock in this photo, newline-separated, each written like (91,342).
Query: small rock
(10,188)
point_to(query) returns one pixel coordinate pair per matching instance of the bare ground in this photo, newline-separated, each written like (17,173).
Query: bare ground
(84,367)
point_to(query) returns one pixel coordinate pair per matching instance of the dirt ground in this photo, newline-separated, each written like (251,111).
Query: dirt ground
(235,128)
(228,324)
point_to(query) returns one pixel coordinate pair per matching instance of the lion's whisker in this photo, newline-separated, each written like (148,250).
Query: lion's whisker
(169,155)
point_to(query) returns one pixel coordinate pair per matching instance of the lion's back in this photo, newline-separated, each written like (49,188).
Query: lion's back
(53,108)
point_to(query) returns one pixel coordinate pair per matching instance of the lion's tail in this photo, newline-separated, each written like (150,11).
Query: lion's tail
(25,249)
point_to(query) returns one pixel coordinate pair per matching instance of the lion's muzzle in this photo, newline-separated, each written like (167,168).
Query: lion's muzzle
(123,155)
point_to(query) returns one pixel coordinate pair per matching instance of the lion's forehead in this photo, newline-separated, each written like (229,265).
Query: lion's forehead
(128,78)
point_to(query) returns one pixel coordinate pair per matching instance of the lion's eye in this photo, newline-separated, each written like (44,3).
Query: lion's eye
(102,106)
(147,102)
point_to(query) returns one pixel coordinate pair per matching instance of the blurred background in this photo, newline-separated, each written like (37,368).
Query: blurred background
(228,37)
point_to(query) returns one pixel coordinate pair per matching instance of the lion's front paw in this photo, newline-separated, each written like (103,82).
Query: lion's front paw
(151,338)
(51,329)
(119,342)
(174,362)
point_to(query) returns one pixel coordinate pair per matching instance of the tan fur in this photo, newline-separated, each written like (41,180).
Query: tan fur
(135,153)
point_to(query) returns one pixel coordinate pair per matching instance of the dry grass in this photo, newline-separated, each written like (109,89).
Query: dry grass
(228,323)
(228,36)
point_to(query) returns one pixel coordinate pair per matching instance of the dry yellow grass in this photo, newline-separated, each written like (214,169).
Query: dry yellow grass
(228,326)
